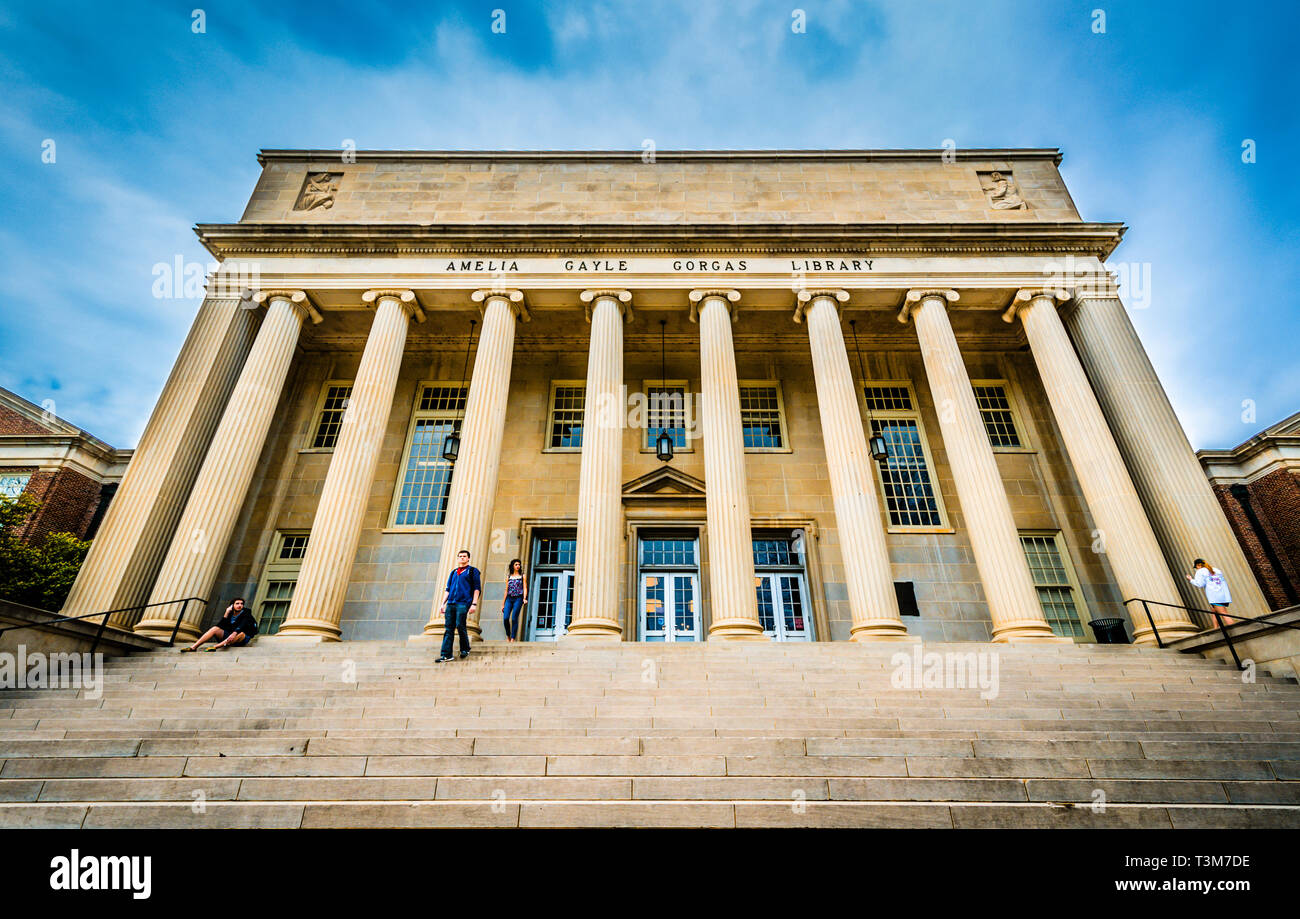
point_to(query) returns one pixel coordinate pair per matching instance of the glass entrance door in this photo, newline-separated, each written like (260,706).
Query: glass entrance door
(782,590)
(669,591)
(781,607)
(669,609)
(550,600)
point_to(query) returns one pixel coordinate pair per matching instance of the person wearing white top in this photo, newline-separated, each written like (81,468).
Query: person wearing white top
(1215,585)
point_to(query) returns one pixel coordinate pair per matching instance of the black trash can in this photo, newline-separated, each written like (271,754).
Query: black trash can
(1109,631)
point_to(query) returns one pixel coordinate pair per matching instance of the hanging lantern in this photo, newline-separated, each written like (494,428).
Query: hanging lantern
(879,450)
(451,443)
(664,447)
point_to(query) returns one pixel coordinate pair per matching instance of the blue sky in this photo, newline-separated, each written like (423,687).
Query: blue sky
(156,128)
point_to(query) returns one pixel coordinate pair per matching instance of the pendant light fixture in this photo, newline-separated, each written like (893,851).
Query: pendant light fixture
(876,443)
(451,443)
(664,443)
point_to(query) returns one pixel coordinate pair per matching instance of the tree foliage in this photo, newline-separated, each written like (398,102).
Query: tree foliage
(40,573)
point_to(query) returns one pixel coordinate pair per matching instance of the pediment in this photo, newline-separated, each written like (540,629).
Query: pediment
(664,484)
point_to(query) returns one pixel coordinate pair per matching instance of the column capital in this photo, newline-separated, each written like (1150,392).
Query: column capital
(1027,295)
(918,295)
(805,298)
(297,297)
(622,297)
(727,295)
(513,299)
(405,298)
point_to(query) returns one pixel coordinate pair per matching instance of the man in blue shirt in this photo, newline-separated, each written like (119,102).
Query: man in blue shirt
(463,588)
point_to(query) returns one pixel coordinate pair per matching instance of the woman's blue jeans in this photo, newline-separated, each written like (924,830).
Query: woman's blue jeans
(510,615)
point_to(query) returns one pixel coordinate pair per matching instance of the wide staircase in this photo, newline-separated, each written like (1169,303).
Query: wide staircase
(374,734)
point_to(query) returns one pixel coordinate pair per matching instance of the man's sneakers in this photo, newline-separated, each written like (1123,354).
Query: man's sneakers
(464,654)
(442,660)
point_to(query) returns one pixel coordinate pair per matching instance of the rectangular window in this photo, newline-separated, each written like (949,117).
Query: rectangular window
(906,481)
(329,418)
(761,417)
(278,581)
(666,411)
(999,418)
(12,484)
(566,416)
(1056,590)
(425,483)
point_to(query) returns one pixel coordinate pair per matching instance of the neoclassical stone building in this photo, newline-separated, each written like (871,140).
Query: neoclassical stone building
(901,395)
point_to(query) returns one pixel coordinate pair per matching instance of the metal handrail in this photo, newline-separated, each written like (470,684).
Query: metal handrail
(1218,620)
(103,624)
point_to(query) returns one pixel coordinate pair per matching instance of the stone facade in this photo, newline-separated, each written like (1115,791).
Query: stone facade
(717,272)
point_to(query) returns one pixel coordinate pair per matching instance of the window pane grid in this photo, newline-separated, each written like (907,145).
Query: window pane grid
(995,409)
(442,399)
(905,476)
(275,606)
(331,416)
(773,552)
(426,481)
(566,416)
(888,398)
(293,547)
(557,551)
(1051,580)
(666,412)
(668,551)
(760,416)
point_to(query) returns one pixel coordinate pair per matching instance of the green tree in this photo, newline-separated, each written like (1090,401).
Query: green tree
(36,574)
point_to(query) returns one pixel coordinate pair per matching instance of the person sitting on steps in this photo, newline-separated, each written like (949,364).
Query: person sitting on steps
(237,627)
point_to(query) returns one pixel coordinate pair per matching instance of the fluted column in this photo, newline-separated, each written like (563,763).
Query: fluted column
(1188,520)
(474,479)
(1130,545)
(1004,574)
(190,568)
(726,494)
(873,604)
(317,603)
(128,550)
(600,480)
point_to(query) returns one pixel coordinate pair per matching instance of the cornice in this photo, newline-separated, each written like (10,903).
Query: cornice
(660,156)
(227,240)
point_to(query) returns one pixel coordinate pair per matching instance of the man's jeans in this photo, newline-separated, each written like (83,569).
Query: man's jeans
(454,620)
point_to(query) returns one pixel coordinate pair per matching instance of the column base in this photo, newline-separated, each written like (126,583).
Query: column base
(1170,632)
(737,630)
(161,629)
(594,630)
(307,632)
(1028,630)
(881,630)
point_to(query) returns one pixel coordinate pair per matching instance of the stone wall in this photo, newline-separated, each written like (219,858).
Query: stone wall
(603,189)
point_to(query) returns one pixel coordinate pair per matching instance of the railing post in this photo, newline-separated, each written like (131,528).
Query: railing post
(1151,619)
(1227,637)
(94,645)
(185,605)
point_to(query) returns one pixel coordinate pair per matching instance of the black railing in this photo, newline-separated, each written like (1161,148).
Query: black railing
(103,623)
(1215,617)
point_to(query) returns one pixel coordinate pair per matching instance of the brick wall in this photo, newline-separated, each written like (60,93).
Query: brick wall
(1275,499)
(13,423)
(68,501)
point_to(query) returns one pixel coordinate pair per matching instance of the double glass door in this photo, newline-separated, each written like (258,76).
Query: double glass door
(669,588)
(781,607)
